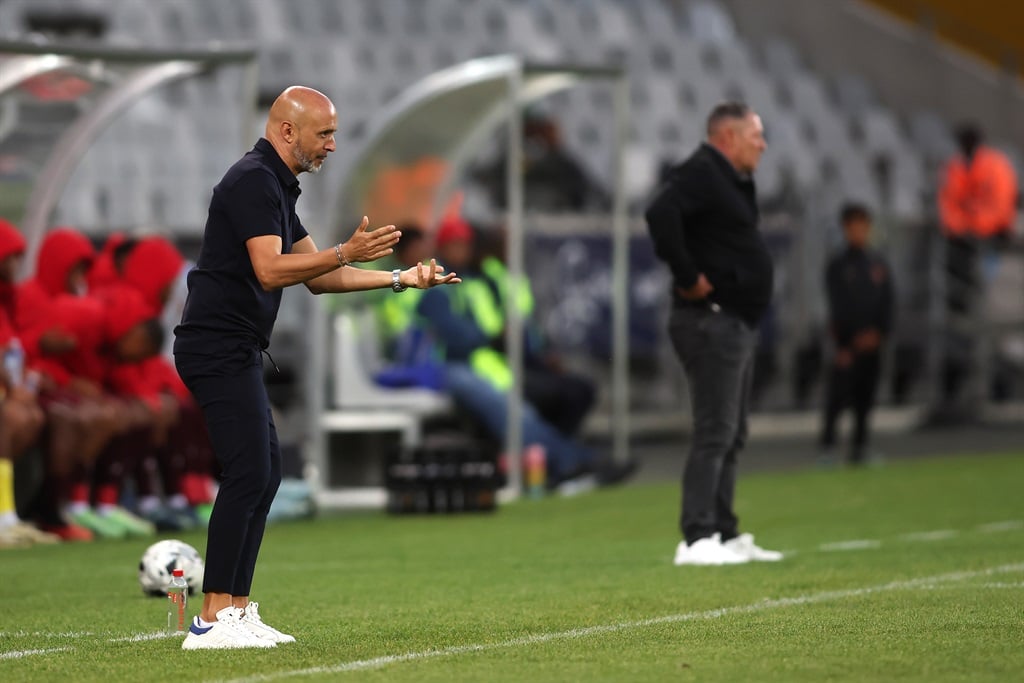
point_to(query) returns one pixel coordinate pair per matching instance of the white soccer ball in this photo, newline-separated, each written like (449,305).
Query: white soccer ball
(162,558)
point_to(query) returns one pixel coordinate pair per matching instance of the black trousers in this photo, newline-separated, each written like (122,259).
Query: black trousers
(233,398)
(854,386)
(717,351)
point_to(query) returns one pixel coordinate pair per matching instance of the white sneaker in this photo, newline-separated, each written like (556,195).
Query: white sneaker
(707,552)
(227,633)
(252,621)
(744,546)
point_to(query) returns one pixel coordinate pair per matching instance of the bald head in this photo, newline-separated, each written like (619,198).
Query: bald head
(301,127)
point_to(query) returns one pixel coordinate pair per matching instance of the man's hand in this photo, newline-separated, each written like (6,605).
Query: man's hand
(698,291)
(423,276)
(867,341)
(369,245)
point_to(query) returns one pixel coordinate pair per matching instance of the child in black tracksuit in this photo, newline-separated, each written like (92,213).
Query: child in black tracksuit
(860,302)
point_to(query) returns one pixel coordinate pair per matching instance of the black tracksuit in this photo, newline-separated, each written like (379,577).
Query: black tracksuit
(860,298)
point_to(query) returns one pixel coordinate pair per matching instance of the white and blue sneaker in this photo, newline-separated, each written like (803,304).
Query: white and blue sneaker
(227,633)
(252,621)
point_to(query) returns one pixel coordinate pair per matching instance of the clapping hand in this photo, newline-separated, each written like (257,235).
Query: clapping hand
(370,245)
(423,276)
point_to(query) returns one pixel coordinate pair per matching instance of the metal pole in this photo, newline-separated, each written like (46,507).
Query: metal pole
(513,319)
(620,279)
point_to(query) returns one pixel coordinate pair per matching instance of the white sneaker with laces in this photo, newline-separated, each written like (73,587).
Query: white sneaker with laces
(707,552)
(227,633)
(252,621)
(744,546)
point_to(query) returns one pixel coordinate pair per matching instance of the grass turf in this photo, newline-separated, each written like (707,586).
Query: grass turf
(584,589)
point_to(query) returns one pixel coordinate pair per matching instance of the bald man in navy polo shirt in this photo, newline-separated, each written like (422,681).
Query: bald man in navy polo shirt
(254,246)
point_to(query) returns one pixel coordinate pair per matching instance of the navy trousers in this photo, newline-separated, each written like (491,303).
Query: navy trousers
(233,398)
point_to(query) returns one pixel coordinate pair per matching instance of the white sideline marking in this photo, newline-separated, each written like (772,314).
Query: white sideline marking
(141,637)
(46,634)
(18,654)
(1008,525)
(760,606)
(937,535)
(857,544)
(988,584)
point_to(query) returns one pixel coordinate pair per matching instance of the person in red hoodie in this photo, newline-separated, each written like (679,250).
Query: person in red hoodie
(21,418)
(79,426)
(182,450)
(114,326)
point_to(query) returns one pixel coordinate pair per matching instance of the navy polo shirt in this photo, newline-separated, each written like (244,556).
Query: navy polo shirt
(227,309)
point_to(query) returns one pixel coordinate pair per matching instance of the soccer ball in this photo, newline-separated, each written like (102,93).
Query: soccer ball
(161,559)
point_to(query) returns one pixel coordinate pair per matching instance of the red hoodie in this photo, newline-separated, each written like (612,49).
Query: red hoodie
(103,271)
(96,322)
(152,265)
(11,243)
(61,251)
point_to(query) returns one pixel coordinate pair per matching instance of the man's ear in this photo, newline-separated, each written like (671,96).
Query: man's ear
(288,131)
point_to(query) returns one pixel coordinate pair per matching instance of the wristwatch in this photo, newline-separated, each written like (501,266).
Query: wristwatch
(396,282)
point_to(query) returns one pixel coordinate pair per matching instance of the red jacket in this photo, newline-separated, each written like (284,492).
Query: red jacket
(61,251)
(11,243)
(96,323)
(151,266)
(979,198)
(103,271)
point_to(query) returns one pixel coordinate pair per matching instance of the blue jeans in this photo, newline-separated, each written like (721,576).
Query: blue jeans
(480,399)
(717,352)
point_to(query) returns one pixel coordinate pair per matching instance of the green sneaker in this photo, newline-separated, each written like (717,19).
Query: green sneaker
(133,526)
(101,526)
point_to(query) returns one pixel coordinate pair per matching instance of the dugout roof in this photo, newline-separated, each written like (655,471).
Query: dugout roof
(56,99)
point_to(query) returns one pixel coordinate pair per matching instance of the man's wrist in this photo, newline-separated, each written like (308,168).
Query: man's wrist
(396,281)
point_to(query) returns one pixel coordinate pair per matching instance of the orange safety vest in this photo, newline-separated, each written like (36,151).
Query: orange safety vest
(978,199)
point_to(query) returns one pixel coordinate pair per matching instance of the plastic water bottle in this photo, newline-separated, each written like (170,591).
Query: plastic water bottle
(14,362)
(177,597)
(535,466)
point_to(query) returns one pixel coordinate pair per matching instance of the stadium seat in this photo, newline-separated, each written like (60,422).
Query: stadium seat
(356,356)
(710,22)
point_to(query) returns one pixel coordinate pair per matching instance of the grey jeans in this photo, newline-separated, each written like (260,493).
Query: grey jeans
(717,352)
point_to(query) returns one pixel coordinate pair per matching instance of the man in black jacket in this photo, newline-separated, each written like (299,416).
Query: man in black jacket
(860,294)
(703,222)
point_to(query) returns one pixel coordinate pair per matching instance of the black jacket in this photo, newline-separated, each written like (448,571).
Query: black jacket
(860,294)
(704,220)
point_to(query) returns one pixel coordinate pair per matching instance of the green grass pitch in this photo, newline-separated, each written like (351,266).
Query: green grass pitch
(911,572)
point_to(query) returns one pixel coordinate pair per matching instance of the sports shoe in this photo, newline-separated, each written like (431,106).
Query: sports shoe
(253,622)
(32,535)
(133,526)
(744,546)
(227,633)
(707,551)
(11,539)
(101,527)
(69,533)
